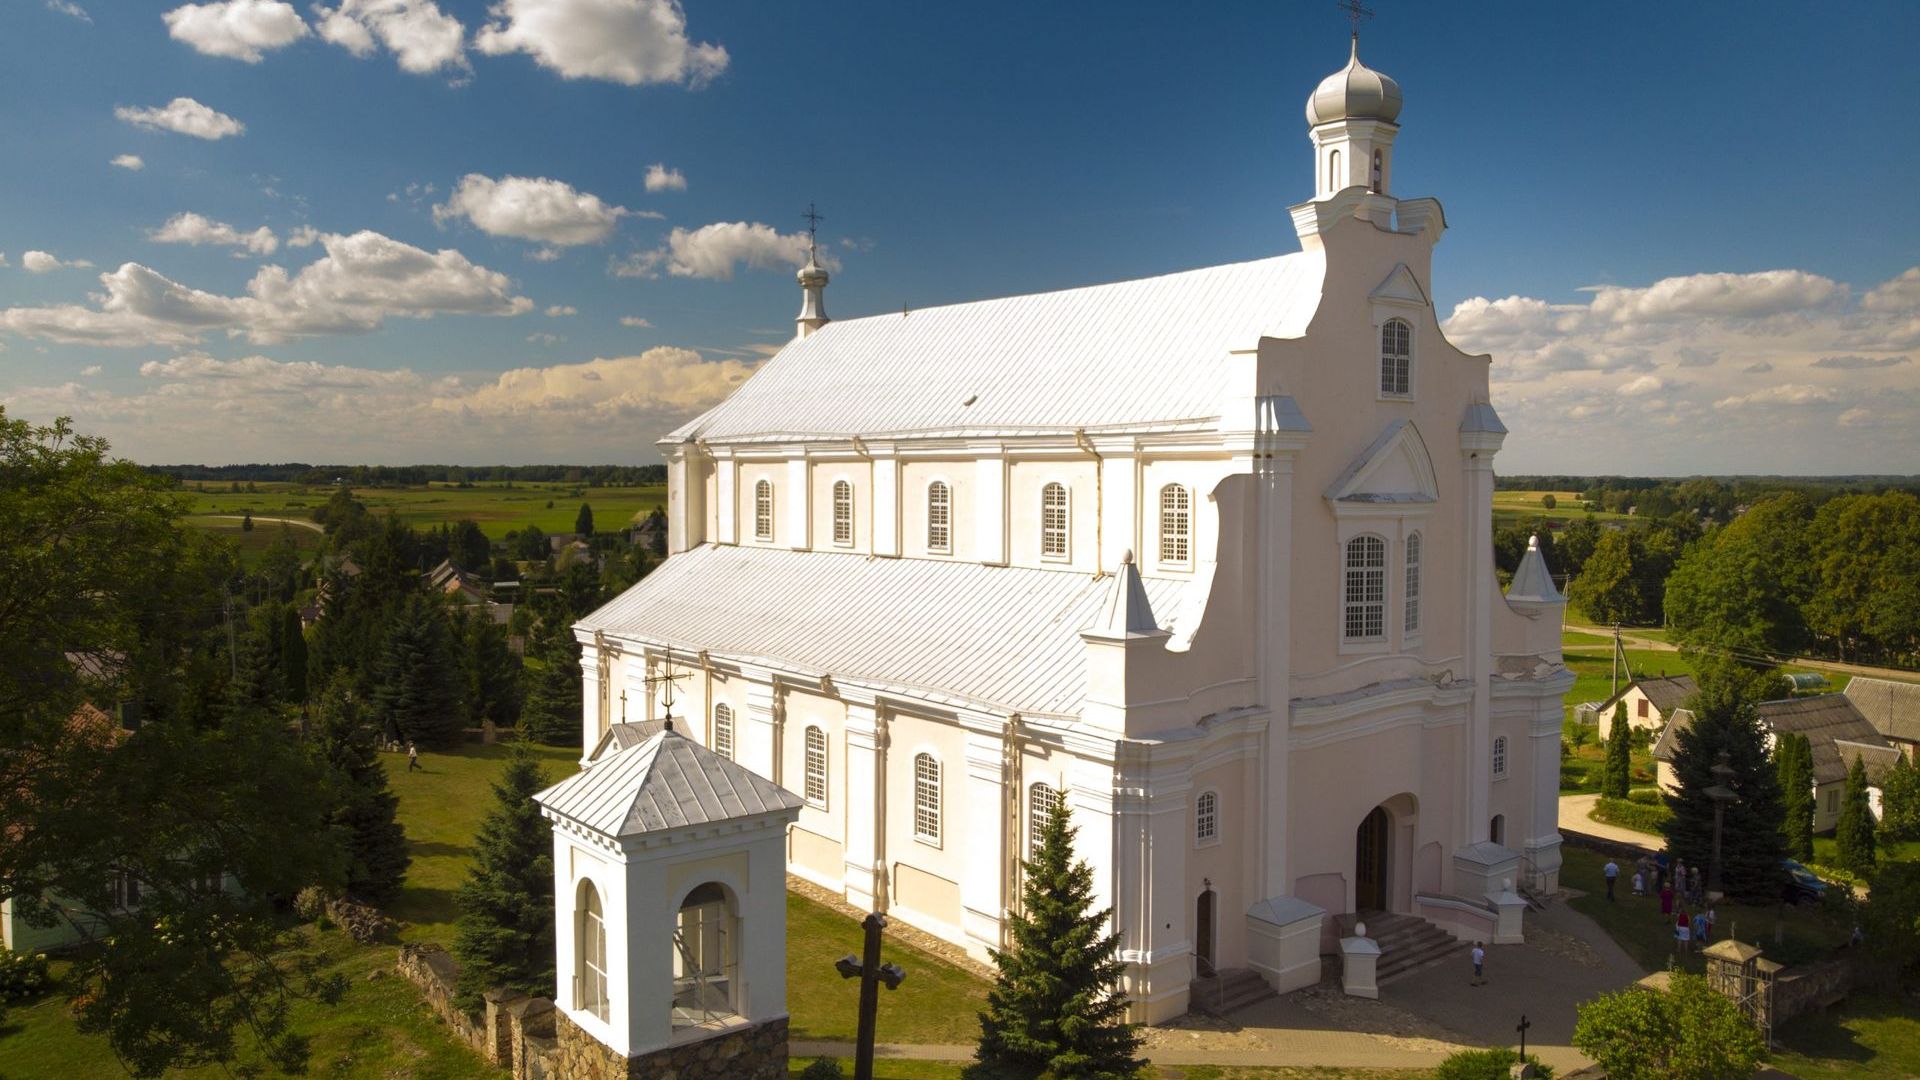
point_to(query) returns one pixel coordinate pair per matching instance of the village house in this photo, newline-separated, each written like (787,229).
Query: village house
(1650,702)
(1206,557)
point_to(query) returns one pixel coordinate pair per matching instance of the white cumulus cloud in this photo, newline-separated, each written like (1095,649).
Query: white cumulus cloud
(557,311)
(422,38)
(631,42)
(129,162)
(191,228)
(546,211)
(236,29)
(68,7)
(184,116)
(713,251)
(661,178)
(635,321)
(1900,294)
(42,262)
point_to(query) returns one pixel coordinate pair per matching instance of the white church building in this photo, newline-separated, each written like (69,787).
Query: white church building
(1206,555)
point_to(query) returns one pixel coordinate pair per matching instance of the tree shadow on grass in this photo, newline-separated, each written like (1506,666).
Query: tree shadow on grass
(435,848)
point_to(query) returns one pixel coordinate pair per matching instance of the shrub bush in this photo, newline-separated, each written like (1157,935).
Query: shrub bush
(23,976)
(1646,796)
(822,1068)
(1494,1064)
(1632,815)
(1574,777)
(311,903)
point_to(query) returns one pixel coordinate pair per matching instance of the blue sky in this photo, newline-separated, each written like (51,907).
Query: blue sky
(1738,184)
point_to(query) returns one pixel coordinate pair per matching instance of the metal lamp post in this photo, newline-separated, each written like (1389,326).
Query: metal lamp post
(1723,796)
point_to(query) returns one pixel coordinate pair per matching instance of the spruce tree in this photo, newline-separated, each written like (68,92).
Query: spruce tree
(504,936)
(255,685)
(417,692)
(491,670)
(1853,836)
(551,714)
(583,521)
(1617,777)
(365,813)
(1054,1010)
(1793,757)
(1900,801)
(293,656)
(1751,841)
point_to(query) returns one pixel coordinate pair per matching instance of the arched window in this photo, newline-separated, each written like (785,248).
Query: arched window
(926,798)
(723,731)
(706,963)
(1176,525)
(1053,521)
(1366,591)
(843,513)
(1379,170)
(1396,357)
(1042,802)
(1333,172)
(590,971)
(1412,624)
(939,518)
(1206,818)
(1499,755)
(817,767)
(763,510)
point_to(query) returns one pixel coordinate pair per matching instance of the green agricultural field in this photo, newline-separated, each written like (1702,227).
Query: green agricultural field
(254,542)
(1510,507)
(496,507)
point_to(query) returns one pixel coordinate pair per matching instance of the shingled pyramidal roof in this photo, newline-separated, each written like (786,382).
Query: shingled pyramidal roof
(666,782)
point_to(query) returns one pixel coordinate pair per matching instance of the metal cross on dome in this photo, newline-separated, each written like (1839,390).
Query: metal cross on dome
(1355,13)
(666,688)
(813,219)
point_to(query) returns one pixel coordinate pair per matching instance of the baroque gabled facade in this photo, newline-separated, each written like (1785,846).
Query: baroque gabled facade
(1207,555)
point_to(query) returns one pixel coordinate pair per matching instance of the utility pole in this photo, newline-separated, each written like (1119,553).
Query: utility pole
(871,973)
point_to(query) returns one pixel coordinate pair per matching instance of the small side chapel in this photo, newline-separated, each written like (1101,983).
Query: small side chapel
(1208,555)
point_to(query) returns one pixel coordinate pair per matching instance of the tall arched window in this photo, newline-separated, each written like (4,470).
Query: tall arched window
(926,798)
(1176,525)
(1396,357)
(723,730)
(939,517)
(843,513)
(1206,818)
(1333,171)
(763,510)
(1043,801)
(1053,521)
(1499,755)
(1366,591)
(590,970)
(816,767)
(1412,623)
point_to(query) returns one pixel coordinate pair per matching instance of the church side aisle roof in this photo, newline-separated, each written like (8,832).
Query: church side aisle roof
(1000,636)
(1147,353)
(663,783)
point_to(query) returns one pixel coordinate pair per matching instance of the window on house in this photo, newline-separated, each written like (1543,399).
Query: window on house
(1499,755)
(590,975)
(723,731)
(1043,802)
(817,767)
(763,510)
(126,890)
(1053,521)
(1206,817)
(1396,357)
(843,513)
(1176,525)
(1833,801)
(1412,624)
(939,517)
(1366,594)
(1640,707)
(926,797)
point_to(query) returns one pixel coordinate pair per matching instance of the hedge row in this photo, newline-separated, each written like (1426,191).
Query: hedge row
(1632,815)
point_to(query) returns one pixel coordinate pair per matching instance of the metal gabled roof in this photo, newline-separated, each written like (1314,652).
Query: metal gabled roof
(1155,352)
(666,782)
(1001,637)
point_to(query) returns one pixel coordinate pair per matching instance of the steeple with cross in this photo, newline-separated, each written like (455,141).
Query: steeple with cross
(813,279)
(1352,120)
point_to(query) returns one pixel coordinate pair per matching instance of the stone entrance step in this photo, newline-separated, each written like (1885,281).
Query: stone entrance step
(1227,991)
(1407,943)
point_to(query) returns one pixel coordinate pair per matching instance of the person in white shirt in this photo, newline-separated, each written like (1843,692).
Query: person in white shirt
(1479,962)
(1612,871)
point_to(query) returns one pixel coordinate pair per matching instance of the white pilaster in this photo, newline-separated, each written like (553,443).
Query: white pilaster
(727,499)
(982,896)
(886,505)
(1090,795)
(1281,433)
(990,507)
(593,722)
(758,747)
(798,502)
(1477,474)
(866,803)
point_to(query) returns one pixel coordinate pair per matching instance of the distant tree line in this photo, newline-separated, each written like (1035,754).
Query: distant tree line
(1707,498)
(386,476)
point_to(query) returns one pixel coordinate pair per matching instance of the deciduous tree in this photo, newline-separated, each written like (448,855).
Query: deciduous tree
(1687,1032)
(1900,801)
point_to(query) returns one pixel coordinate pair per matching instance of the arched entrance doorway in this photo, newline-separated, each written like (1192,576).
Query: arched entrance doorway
(1371,843)
(1203,917)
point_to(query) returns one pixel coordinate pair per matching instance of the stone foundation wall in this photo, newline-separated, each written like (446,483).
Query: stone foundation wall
(758,1052)
(1806,987)
(514,1031)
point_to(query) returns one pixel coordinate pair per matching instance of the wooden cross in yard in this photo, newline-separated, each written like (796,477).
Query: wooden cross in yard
(1522,1029)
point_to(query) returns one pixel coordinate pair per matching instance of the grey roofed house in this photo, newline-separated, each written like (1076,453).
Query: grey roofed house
(1666,692)
(665,782)
(1893,708)
(1828,721)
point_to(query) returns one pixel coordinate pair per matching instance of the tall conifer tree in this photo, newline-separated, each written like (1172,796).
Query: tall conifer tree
(504,936)
(418,693)
(1617,777)
(365,812)
(293,656)
(1853,836)
(1900,801)
(1055,1010)
(1751,841)
(1793,756)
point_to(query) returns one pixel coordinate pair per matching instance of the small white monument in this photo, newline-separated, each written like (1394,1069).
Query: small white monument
(1360,960)
(670,911)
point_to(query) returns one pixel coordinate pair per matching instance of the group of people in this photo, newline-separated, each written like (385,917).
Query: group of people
(1682,892)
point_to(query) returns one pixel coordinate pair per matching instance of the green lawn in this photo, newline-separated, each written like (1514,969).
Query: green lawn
(1636,924)
(254,542)
(497,508)
(884,1069)
(938,1003)
(1868,1036)
(1592,667)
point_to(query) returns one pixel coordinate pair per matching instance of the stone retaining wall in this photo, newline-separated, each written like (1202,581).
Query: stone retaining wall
(514,1031)
(755,1052)
(1805,988)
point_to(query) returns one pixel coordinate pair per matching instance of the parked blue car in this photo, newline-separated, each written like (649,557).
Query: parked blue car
(1803,885)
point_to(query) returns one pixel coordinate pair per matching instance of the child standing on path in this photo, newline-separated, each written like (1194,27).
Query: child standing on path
(1479,962)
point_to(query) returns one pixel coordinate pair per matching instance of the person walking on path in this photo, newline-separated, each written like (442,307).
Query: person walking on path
(1479,965)
(1682,932)
(1612,872)
(1700,927)
(413,757)
(1699,890)
(1639,883)
(1666,899)
(1660,871)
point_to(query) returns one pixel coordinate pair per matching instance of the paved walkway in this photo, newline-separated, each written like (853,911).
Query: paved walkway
(1576,815)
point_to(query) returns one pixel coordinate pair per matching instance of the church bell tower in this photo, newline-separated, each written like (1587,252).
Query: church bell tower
(1350,119)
